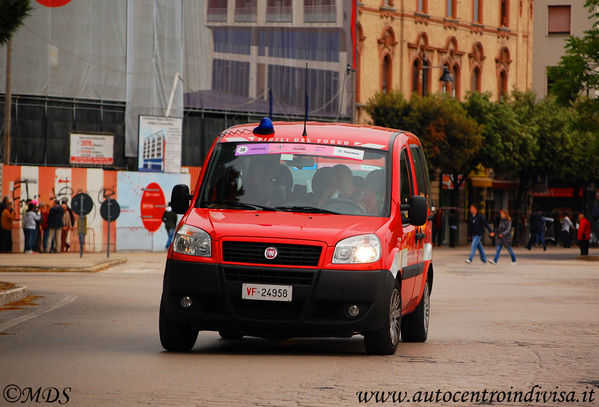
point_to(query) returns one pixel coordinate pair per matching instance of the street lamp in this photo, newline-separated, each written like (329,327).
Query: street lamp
(446,77)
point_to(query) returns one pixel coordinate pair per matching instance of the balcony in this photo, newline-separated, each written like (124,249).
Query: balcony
(320,13)
(217,14)
(245,14)
(279,14)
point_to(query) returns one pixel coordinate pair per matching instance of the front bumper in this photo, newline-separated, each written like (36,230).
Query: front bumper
(318,308)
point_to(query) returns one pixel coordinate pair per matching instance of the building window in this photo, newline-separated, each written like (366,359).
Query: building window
(475,85)
(503,87)
(455,85)
(422,6)
(477,11)
(504,13)
(451,8)
(279,11)
(217,11)
(558,21)
(386,73)
(245,11)
(415,76)
(387,3)
(320,11)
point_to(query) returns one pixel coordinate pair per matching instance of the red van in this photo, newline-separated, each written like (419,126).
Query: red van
(293,231)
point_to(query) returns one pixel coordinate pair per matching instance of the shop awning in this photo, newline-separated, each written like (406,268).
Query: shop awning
(505,184)
(556,193)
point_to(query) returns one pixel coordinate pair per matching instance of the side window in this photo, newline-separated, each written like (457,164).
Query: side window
(423,180)
(406,190)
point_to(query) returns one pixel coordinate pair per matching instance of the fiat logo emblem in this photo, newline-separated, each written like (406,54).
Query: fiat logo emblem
(271,252)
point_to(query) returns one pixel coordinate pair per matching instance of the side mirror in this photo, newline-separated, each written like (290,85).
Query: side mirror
(180,198)
(418,210)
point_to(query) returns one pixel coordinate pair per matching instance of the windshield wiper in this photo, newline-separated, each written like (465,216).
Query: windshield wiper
(310,209)
(244,205)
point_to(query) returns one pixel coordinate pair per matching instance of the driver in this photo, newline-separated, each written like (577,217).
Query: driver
(261,180)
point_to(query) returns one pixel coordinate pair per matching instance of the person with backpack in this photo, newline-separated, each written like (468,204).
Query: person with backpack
(170,223)
(55,224)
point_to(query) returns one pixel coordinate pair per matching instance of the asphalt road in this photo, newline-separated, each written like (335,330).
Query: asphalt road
(497,328)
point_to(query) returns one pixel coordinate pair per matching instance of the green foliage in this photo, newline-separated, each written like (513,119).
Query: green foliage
(12,15)
(521,137)
(577,71)
(450,138)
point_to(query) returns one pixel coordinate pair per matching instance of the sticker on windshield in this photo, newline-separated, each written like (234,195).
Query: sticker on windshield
(288,149)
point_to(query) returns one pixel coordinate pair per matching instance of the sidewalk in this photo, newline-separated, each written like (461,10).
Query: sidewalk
(61,262)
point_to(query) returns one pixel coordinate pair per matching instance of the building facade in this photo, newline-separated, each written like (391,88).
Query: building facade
(554,22)
(401,45)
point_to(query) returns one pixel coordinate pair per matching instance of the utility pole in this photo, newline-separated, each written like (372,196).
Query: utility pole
(7,103)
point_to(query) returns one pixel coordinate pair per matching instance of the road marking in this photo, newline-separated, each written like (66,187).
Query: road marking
(38,312)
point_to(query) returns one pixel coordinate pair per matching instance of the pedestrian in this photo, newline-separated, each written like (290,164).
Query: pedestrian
(537,228)
(23,213)
(170,223)
(478,224)
(438,222)
(81,232)
(55,219)
(566,228)
(30,222)
(67,225)
(504,237)
(45,210)
(7,219)
(584,234)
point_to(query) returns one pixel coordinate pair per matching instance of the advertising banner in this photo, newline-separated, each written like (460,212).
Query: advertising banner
(92,149)
(160,144)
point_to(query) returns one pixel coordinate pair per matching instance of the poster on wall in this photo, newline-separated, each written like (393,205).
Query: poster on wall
(160,144)
(92,149)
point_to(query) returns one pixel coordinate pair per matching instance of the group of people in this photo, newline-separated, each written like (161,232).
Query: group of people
(503,233)
(45,228)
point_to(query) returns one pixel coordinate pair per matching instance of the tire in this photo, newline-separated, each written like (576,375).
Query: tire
(414,326)
(230,336)
(384,340)
(175,336)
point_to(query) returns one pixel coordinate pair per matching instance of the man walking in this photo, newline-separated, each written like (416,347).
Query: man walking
(584,234)
(170,223)
(55,227)
(478,224)
(537,228)
(7,219)
(566,227)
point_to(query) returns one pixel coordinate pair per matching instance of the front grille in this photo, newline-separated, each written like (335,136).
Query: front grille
(269,276)
(288,254)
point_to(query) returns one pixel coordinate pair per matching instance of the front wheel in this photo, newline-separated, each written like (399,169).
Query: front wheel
(384,340)
(414,326)
(175,336)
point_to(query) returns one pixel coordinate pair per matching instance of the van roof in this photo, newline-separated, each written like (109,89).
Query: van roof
(341,134)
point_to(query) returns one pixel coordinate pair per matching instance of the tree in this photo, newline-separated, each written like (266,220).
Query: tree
(508,141)
(451,139)
(577,71)
(12,15)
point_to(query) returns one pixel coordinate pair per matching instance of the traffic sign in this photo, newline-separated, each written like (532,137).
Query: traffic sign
(115,210)
(82,204)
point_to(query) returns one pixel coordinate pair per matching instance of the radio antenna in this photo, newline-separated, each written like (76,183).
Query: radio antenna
(305,133)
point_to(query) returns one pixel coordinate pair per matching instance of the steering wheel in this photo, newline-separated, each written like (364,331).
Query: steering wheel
(344,206)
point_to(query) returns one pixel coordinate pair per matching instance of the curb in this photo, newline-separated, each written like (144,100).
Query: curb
(51,269)
(13,294)
(589,258)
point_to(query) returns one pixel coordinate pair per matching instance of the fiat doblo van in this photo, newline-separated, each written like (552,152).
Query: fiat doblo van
(293,231)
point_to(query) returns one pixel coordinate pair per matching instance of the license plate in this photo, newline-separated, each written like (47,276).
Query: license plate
(264,292)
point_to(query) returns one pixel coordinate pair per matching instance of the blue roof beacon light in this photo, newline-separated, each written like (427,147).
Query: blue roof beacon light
(265,128)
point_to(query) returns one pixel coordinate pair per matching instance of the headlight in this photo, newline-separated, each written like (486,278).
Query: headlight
(192,241)
(358,249)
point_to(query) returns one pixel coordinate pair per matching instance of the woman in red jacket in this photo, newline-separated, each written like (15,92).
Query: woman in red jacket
(584,234)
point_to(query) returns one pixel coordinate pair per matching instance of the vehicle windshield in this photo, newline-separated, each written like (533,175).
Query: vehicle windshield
(298,177)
